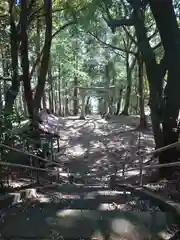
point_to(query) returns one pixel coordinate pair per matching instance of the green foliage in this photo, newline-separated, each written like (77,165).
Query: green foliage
(74,50)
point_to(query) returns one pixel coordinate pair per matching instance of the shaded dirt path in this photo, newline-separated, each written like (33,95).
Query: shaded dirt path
(94,147)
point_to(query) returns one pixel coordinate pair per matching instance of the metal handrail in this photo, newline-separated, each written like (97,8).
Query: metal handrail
(29,154)
(154,166)
(24,166)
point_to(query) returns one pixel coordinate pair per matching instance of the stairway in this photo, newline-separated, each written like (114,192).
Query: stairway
(77,211)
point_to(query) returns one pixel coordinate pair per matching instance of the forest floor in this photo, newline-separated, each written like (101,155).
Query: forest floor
(95,147)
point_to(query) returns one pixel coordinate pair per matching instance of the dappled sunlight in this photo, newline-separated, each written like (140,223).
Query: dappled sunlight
(95,146)
(91,149)
(100,132)
(118,144)
(77,150)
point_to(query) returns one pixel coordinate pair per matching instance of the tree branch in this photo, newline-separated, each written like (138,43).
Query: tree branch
(113,24)
(63,27)
(45,55)
(129,35)
(5,79)
(30,7)
(40,55)
(36,63)
(162,67)
(111,46)
(33,15)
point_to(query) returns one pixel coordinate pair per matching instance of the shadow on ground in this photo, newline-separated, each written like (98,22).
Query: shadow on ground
(98,147)
(48,218)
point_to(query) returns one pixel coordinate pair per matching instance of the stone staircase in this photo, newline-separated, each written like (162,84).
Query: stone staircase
(76,211)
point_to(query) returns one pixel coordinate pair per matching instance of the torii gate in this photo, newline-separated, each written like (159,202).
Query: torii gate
(107,92)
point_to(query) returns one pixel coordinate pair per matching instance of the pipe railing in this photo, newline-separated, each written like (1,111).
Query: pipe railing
(177,144)
(152,166)
(24,166)
(162,149)
(29,154)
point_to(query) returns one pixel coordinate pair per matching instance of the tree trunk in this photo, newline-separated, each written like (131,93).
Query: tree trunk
(44,101)
(107,84)
(155,72)
(66,101)
(51,92)
(12,92)
(129,69)
(66,106)
(119,102)
(25,58)
(24,102)
(87,109)
(143,121)
(1,102)
(75,95)
(125,111)
(5,62)
(50,99)
(45,56)
(154,76)
(166,22)
(59,91)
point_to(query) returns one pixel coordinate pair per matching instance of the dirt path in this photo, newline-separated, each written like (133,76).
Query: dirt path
(94,146)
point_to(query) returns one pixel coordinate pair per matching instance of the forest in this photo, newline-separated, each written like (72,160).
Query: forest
(69,65)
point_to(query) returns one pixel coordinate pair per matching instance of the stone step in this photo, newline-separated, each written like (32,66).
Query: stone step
(78,197)
(38,223)
(87,217)
(14,198)
(80,188)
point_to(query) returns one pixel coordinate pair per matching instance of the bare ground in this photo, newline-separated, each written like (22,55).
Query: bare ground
(95,147)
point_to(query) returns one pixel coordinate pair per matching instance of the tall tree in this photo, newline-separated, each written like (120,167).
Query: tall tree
(25,58)
(14,88)
(167,115)
(164,15)
(45,55)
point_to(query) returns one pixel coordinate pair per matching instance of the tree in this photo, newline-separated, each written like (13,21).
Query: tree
(156,72)
(167,25)
(14,88)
